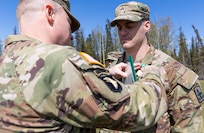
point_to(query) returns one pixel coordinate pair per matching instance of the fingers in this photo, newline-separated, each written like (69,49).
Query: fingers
(137,66)
(122,74)
(118,70)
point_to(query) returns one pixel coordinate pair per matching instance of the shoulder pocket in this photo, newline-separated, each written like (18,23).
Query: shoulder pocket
(188,77)
(189,80)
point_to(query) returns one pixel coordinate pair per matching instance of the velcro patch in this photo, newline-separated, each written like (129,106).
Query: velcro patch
(199,94)
(196,95)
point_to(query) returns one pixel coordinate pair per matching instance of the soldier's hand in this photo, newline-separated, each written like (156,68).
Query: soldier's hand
(139,68)
(118,71)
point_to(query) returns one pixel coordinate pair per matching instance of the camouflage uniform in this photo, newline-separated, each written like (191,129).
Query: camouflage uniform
(54,88)
(184,96)
(183,90)
(112,58)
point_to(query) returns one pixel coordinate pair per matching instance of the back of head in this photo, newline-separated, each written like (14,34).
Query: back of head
(28,8)
(131,11)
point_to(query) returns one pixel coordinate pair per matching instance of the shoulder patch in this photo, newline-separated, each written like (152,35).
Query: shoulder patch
(90,59)
(111,83)
(199,94)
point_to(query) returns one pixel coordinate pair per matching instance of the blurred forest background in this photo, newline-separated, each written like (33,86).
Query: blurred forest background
(162,35)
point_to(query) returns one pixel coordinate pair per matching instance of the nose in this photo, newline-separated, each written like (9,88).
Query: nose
(123,31)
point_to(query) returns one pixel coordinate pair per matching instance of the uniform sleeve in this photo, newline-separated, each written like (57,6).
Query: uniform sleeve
(93,98)
(185,98)
(131,107)
(114,105)
(185,113)
(186,109)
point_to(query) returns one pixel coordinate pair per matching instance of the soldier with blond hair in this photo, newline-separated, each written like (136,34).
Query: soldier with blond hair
(49,87)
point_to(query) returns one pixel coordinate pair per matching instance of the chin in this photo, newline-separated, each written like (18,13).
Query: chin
(125,45)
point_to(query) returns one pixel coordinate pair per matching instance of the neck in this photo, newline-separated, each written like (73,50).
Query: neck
(137,53)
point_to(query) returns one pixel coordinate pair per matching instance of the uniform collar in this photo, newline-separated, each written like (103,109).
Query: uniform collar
(147,59)
(17,38)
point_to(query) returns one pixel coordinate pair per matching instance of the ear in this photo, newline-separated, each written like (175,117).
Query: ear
(49,13)
(147,25)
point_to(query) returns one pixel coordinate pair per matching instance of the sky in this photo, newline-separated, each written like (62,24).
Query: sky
(93,13)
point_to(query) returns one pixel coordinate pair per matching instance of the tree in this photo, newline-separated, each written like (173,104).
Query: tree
(153,36)
(198,36)
(98,43)
(109,42)
(89,47)
(116,40)
(79,40)
(194,55)
(200,53)
(183,55)
(161,35)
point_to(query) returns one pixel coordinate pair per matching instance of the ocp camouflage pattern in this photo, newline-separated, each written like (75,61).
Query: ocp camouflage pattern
(51,88)
(184,95)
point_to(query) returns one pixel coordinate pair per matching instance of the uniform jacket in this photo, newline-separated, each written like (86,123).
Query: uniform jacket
(53,88)
(184,94)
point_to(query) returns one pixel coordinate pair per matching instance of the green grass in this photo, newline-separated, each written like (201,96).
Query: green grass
(202,84)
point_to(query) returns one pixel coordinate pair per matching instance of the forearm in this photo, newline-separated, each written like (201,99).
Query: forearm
(95,99)
(134,106)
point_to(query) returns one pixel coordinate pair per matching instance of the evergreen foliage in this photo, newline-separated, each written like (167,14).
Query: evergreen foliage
(161,35)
